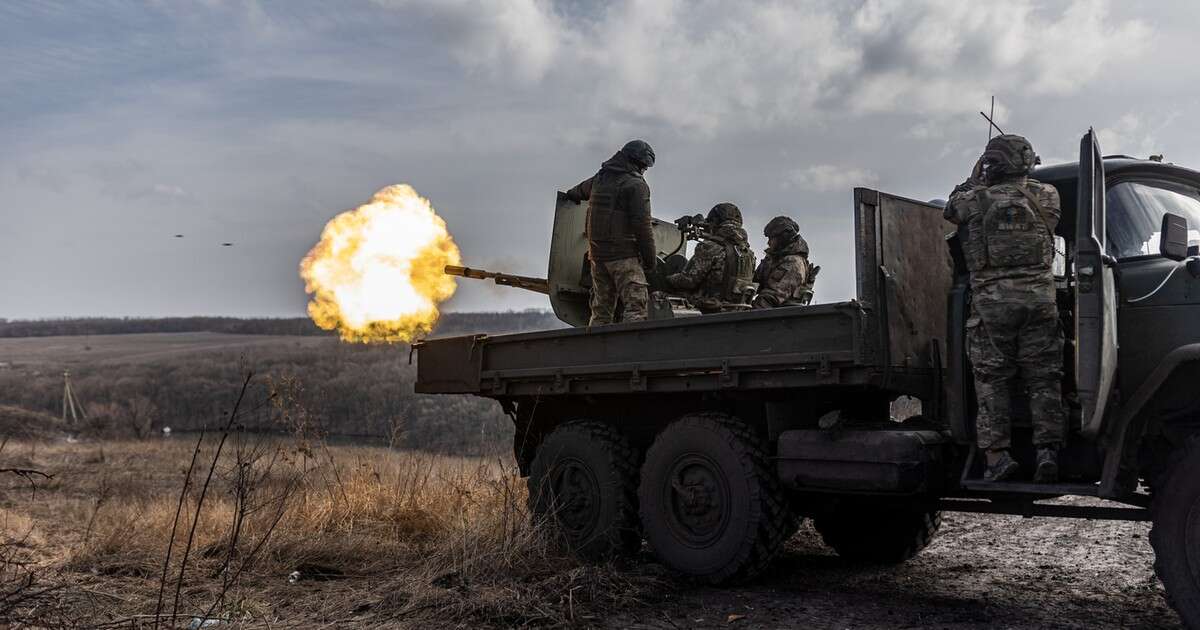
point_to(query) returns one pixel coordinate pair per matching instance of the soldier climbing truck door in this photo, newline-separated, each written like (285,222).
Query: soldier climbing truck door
(1095,292)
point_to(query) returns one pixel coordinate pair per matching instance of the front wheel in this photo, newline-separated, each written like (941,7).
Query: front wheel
(583,484)
(712,507)
(1176,532)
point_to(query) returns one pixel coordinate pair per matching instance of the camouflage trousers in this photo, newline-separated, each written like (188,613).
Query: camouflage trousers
(622,279)
(1009,340)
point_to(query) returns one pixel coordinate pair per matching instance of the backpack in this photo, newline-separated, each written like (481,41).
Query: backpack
(1008,230)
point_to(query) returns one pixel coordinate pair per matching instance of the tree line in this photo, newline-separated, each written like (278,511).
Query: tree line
(449,324)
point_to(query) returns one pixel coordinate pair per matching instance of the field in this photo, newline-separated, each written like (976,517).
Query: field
(135,385)
(296,529)
(383,538)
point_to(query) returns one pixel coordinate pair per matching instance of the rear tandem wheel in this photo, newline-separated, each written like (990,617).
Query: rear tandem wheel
(583,483)
(711,505)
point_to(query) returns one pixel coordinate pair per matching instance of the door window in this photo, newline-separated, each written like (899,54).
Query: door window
(1135,212)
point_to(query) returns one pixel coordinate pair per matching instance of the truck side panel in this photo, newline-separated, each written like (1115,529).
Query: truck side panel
(904,272)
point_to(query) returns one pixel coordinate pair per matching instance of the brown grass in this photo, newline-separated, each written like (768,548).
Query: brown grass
(378,537)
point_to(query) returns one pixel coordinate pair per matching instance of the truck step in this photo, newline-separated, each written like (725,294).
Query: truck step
(1027,488)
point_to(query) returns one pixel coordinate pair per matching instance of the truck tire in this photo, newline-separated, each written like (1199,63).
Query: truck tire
(711,505)
(583,484)
(877,534)
(1175,535)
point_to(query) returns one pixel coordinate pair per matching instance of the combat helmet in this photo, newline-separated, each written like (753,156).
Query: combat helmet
(784,233)
(640,152)
(724,212)
(1008,155)
(782,228)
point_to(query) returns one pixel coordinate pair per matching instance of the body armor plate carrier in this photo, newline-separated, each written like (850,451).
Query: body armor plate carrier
(1008,230)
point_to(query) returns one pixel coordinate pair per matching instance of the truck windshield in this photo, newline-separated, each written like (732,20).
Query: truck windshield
(1135,212)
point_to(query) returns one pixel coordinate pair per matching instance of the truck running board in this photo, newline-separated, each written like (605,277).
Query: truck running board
(1033,489)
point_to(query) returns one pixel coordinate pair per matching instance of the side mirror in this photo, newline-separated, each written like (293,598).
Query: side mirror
(1173,243)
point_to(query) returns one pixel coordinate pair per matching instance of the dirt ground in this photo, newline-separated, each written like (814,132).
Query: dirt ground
(980,572)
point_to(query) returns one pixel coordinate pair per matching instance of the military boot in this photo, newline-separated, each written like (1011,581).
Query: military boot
(1047,465)
(1000,466)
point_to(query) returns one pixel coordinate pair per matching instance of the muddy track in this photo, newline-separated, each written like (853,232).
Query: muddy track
(980,572)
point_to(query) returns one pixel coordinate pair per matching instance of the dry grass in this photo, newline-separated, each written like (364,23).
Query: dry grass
(378,537)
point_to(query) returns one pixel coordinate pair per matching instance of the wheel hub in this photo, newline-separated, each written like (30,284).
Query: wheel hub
(698,503)
(577,496)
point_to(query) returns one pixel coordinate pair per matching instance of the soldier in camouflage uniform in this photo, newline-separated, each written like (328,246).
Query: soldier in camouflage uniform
(620,240)
(785,277)
(1007,222)
(719,272)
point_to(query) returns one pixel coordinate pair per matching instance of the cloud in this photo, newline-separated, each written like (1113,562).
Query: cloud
(512,39)
(1133,135)
(256,121)
(823,178)
(168,190)
(705,65)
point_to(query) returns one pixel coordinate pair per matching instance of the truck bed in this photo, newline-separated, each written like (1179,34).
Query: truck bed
(888,338)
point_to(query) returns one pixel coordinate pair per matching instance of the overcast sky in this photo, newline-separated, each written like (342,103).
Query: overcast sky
(124,123)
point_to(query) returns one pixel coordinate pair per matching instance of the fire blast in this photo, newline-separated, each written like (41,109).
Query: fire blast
(376,274)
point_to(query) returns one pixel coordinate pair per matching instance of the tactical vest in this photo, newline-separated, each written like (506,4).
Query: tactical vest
(1008,230)
(738,273)
(604,222)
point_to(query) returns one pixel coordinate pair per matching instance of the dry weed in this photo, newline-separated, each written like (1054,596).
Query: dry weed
(370,536)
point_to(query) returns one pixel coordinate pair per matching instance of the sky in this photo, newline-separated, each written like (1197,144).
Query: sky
(254,122)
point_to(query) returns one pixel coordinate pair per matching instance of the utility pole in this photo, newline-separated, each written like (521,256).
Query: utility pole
(71,403)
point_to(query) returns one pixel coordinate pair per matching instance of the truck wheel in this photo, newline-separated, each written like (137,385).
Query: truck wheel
(1175,535)
(712,507)
(583,482)
(877,534)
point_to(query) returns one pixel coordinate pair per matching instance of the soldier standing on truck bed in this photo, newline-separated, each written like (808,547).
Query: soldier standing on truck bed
(1013,328)
(722,269)
(620,240)
(785,277)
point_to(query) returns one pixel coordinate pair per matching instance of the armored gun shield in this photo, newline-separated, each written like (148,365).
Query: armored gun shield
(570,273)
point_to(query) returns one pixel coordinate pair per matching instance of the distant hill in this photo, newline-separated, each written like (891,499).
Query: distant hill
(450,324)
(17,422)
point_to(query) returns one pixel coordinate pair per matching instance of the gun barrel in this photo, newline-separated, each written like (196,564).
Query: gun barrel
(537,285)
(467,272)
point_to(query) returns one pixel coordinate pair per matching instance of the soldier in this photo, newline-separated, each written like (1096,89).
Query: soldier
(785,277)
(1007,224)
(620,240)
(722,267)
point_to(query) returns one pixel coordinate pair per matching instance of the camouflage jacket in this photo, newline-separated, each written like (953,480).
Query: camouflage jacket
(704,275)
(1007,284)
(783,277)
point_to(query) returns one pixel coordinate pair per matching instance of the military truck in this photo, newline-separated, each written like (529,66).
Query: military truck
(709,437)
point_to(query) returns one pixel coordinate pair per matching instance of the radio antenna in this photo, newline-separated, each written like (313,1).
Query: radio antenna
(991,120)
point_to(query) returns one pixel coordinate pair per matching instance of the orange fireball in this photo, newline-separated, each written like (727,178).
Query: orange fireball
(377,273)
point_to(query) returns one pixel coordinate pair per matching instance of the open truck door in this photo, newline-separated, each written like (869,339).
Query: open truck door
(1095,292)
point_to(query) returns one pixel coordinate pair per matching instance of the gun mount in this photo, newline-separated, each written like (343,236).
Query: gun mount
(568,282)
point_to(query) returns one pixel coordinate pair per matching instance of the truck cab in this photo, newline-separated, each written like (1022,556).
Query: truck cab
(1129,293)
